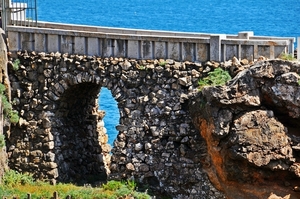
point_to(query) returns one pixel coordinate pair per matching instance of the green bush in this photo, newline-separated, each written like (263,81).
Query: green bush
(19,185)
(112,185)
(9,113)
(218,77)
(123,191)
(16,64)
(285,56)
(13,178)
(131,184)
(140,195)
(2,141)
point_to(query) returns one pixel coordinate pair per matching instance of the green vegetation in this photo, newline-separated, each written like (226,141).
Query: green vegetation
(16,64)
(162,63)
(2,141)
(141,67)
(17,184)
(285,56)
(11,114)
(14,178)
(215,78)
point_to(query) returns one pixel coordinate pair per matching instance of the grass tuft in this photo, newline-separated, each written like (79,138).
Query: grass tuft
(11,114)
(288,57)
(16,64)
(218,77)
(2,141)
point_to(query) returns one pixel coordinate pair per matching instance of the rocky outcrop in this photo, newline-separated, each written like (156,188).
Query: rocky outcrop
(251,127)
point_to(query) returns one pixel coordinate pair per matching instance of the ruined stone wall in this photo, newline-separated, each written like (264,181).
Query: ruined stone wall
(60,135)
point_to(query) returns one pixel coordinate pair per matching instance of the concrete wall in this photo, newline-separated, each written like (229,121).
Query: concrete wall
(144,44)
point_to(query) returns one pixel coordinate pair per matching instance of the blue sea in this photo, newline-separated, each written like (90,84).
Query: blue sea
(264,17)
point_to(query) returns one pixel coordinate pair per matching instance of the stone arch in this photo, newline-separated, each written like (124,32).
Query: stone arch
(157,143)
(80,139)
(80,142)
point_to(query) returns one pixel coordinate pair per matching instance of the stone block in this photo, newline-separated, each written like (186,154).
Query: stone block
(40,42)
(14,43)
(27,41)
(174,49)
(107,47)
(120,48)
(52,41)
(160,50)
(134,49)
(202,52)
(80,45)
(188,51)
(66,44)
(93,46)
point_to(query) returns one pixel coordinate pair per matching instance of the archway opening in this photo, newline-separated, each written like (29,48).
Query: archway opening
(81,146)
(108,104)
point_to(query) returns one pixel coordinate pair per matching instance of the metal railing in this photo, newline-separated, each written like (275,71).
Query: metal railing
(18,12)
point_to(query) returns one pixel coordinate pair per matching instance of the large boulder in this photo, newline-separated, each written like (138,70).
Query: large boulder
(251,127)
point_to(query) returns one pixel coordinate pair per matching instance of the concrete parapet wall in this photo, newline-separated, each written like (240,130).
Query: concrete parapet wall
(144,44)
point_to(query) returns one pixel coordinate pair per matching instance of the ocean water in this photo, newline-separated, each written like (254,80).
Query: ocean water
(112,115)
(264,17)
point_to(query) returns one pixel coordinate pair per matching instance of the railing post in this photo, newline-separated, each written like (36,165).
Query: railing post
(215,47)
(55,195)
(245,34)
(6,13)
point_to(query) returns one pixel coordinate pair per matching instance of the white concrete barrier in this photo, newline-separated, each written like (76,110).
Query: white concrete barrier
(144,44)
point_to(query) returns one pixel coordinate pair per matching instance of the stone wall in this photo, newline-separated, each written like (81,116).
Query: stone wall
(61,135)
(245,143)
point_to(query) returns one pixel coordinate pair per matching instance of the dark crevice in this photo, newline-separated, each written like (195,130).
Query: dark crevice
(79,149)
(292,124)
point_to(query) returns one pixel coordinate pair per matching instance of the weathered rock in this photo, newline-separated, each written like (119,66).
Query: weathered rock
(274,196)
(250,129)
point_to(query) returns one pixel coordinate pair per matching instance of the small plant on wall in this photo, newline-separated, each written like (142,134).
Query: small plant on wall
(218,77)
(162,63)
(9,113)
(285,56)
(2,141)
(16,64)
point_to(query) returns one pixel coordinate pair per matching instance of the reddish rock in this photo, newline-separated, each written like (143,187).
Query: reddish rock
(250,127)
